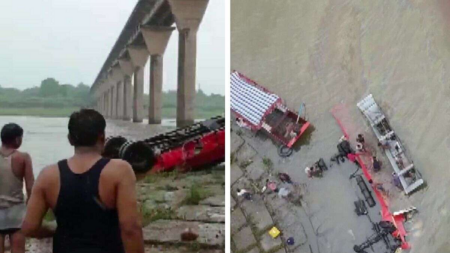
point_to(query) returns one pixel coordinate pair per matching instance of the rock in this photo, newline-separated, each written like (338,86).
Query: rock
(244,239)
(169,196)
(156,196)
(257,213)
(254,250)
(274,202)
(169,231)
(202,213)
(255,170)
(218,200)
(236,142)
(235,174)
(175,249)
(237,220)
(296,231)
(268,243)
(245,153)
(233,202)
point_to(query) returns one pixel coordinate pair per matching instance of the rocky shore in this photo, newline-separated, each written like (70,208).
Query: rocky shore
(172,202)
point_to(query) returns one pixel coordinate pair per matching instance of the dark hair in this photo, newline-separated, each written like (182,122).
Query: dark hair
(10,132)
(85,127)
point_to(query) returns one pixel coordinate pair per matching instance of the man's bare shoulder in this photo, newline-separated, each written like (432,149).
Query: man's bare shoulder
(48,173)
(23,156)
(119,168)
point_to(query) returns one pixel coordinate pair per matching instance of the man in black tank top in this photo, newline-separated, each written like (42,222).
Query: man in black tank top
(93,198)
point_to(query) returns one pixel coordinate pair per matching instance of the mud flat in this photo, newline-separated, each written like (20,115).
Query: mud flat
(323,53)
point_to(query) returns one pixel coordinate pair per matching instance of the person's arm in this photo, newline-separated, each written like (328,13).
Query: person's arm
(130,225)
(36,210)
(28,175)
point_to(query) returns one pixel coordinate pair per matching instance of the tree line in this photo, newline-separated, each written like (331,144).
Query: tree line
(51,96)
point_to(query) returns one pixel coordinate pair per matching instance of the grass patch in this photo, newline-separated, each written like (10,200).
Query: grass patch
(153,178)
(194,246)
(232,158)
(196,194)
(245,164)
(150,215)
(276,248)
(267,163)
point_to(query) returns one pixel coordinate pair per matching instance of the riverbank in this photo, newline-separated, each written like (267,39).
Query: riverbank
(169,204)
(319,215)
(65,112)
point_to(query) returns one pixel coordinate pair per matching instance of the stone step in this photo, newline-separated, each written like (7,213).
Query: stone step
(218,200)
(202,213)
(169,232)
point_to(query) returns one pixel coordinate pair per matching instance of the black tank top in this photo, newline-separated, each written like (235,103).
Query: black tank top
(84,223)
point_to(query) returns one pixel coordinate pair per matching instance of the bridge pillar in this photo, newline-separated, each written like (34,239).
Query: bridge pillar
(128,70)
(139,57)
(108,103)
(117,77)
(104,104)
(119,99)
(113,102)
(156,38)
(127,98)
(188,16)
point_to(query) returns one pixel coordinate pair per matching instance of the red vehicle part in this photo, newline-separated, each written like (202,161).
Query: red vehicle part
(209,149)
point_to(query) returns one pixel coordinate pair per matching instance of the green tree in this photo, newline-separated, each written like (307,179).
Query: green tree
(49,87)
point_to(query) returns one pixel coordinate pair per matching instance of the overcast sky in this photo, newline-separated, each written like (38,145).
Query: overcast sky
(70,40)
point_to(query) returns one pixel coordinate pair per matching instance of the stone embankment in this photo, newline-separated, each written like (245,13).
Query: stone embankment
(172,202)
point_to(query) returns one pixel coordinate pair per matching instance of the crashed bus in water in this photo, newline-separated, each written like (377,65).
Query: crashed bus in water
(192,147)
(410,178)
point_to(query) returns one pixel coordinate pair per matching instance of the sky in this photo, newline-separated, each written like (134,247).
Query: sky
(70,40)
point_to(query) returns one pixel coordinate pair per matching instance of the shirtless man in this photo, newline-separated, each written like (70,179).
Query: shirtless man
(15,168)
(93,198)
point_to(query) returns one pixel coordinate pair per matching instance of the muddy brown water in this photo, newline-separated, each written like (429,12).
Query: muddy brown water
(323,53)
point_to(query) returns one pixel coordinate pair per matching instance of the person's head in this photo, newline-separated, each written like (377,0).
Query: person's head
(87,129)
(374,158)
(238,190)
(379,144)
(11,135)
(360,136)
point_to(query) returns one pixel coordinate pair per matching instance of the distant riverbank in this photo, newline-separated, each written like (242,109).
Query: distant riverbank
(65,112)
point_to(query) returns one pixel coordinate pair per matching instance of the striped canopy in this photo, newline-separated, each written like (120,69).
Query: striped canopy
(250,101)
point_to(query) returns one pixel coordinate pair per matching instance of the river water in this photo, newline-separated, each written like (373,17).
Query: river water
(329,52)
(45,139)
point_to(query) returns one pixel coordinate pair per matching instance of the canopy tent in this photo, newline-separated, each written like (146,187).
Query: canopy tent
(249,101)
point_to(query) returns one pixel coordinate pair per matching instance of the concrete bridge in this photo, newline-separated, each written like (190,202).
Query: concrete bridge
(119,87)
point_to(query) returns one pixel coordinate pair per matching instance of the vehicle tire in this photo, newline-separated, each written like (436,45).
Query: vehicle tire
(284,151)
(112,147)
(139,155)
